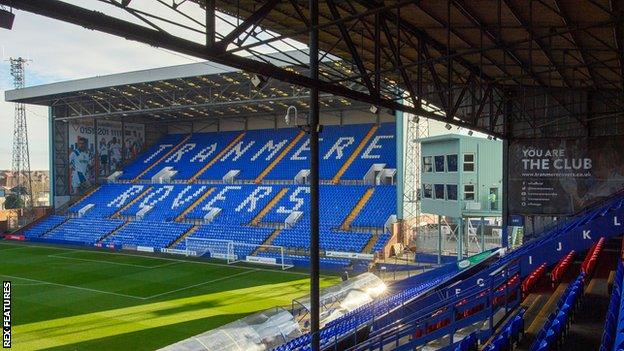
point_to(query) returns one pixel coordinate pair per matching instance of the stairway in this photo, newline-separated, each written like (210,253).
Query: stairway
(269,206)
(132,202)
(113,232)
(188,233)
(356,152)
(216,158)
(167,154)
(181,217)
(370,244)
(268,241)
(279,157)
(357,208)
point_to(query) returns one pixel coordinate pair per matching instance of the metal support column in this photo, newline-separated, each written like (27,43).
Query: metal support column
(210,23)
(439,239)
(482,234)
(460,239)
(505,192)
(51,129)
(505,210)
(399,164)
(314,179)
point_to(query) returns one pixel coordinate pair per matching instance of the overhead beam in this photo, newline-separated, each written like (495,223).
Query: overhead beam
(254,19)
(211,33)
(422,35)
(397,57)
(540,44)
(346,37)
(618,33)
(95,20)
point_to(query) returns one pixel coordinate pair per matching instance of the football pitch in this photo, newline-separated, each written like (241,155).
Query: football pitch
(74,299)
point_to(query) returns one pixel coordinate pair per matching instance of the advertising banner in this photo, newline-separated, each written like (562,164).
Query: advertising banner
(81,155)
(109,147)
(134,139)
(561,176)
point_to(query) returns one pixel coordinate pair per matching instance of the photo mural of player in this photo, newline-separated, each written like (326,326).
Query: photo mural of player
(561,176)
(86,159)
(109,147)
(134,139)
(81,155)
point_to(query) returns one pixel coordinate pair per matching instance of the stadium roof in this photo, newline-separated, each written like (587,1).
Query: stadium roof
(191,91)
(479,61)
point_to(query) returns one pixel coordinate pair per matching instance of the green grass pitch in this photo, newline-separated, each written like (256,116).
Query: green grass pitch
(69,299)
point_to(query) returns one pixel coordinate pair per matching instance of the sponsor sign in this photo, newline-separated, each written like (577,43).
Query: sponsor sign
(257,259)
(178,252)
(561,176)
(145,248)
(223,256)
(351,255)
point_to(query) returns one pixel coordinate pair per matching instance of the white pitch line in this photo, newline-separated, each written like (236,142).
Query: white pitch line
(110,262)
(159,258)
(73,287)
(199,284)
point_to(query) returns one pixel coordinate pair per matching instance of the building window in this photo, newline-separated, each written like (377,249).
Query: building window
(439,191)
(451,192)
(439,164)
(469,192)
(469,162)
(427,191)
(427,164)
(451,163)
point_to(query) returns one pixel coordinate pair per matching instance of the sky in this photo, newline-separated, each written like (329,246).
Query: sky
(60,51)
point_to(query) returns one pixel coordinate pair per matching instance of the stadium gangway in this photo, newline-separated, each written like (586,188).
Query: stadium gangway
(448,316)
(508,334)
(611,327)
(557,323)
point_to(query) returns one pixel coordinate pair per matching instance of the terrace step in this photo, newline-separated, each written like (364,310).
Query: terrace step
(217,157)
(141,195)
(100,240)
(357,209)
(181,217)
(167,154)
(371,243)
(268,241)
(356,152)
(188,233)
(269,206)
(279,157)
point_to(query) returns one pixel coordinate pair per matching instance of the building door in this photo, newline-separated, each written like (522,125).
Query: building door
(493,199)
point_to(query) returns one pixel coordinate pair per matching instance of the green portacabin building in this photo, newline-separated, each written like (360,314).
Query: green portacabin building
(461,176)
(461,182)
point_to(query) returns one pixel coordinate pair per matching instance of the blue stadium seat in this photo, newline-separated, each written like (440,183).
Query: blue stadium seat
(380,149)
(148,233)
(194,154)
(252,154)
(108,199)
(152,155)
(84,230)
(336,145)
(44,226)
(378,209)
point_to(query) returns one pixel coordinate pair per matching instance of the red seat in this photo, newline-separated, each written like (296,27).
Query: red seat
(529,281)
(592,257)
(562,267)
